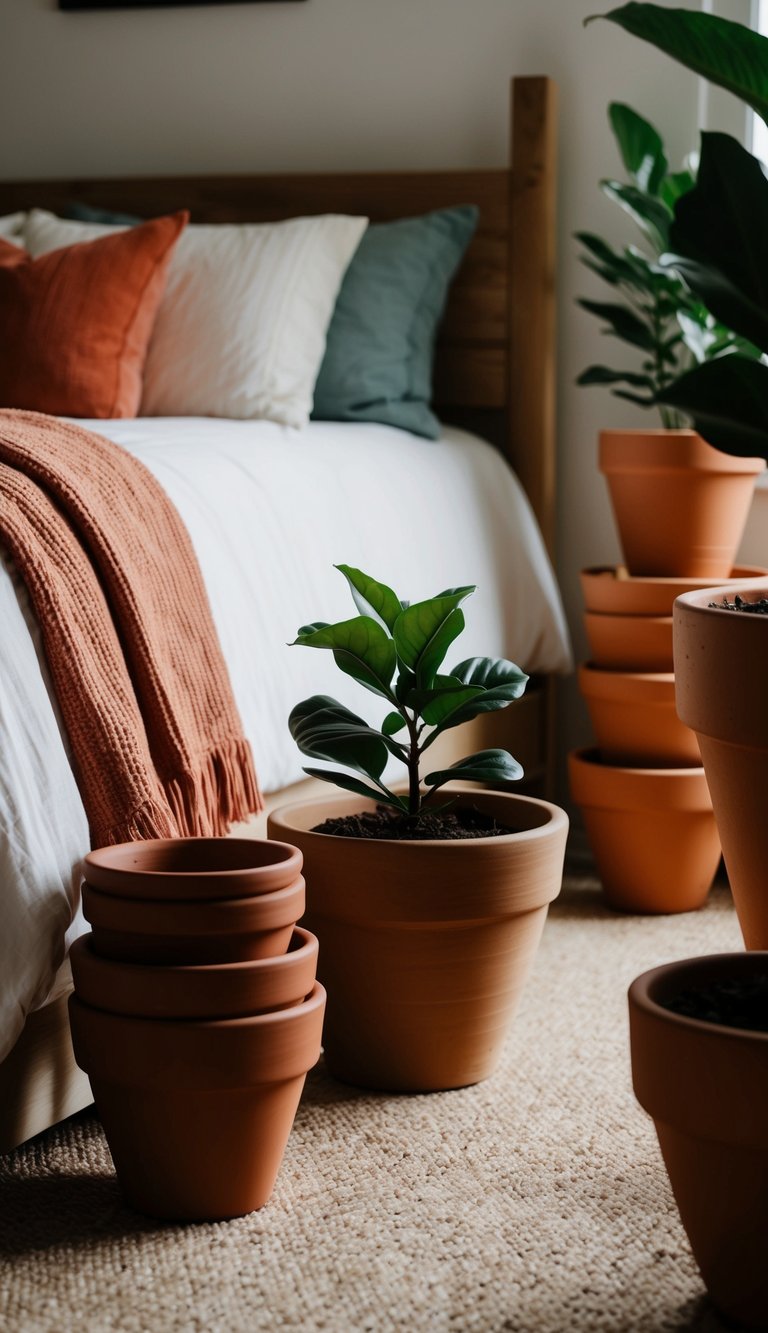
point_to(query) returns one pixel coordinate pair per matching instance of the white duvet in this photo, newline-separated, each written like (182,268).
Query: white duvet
(270,510)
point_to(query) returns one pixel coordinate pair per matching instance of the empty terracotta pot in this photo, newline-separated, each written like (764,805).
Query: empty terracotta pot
(188,868)
(611,590)
(652,832)
(680,506)
(706,1087)
(218,930)
(197,1114)
(425,946)
(629,643)
(208,990)
(634,719)
(721,668)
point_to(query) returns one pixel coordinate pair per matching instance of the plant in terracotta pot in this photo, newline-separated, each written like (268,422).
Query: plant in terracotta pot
(699,497)
(429,902)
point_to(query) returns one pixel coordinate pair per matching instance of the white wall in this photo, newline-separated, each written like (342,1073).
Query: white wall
(346,84)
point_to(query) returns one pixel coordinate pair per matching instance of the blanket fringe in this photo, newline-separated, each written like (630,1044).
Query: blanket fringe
(152,819)
(224,791)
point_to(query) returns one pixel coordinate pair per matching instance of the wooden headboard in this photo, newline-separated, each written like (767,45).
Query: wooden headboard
(495,362)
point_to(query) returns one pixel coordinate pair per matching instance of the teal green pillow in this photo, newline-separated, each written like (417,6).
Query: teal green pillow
(381,339)
(77,212)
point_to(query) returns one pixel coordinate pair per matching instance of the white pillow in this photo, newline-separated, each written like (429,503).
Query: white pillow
(11,228)
(241,328)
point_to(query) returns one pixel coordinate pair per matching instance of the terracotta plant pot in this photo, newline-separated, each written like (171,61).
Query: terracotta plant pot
(721,667)
(706,1087)
(188,868)
(680,506)
(629,643)
(197,1114)
(213,990)
(634,719)
(425,946)
(611,590)
(222,930)
(652,832)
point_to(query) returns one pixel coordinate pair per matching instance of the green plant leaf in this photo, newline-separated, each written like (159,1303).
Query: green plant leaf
(392,722)
(727,53)
(728,401)
(651,215)
(674,186)
(324,729)
(425,631)
(602,375)
(500,681)
(485,766)
(447,694)
(720,237)
(372,598)
(622,322)
(382,794)
(642,151)
(360,647)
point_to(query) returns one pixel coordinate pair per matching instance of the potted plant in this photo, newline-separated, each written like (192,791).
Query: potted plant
(699,1040)
(699,496)
(428,902)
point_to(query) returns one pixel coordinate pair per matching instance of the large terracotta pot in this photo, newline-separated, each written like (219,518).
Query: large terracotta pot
(208,990)
(680,505)
(634,719)
(652,832)
(721,668)
(609,589)
(629,643)
(197,1114)
(706,1087)
(189,868)
(425,946)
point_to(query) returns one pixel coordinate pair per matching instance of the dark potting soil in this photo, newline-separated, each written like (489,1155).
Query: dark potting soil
(738,604)
(741,1003)
(445,825)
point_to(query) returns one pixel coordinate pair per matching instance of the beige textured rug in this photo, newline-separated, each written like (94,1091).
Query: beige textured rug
(535,1201)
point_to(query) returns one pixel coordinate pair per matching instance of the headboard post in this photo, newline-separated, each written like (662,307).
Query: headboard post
(531,295)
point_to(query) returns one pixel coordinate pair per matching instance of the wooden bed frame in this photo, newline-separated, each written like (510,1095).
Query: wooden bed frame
(494,374)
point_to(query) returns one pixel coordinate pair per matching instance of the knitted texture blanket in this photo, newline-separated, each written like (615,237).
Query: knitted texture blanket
(154,734)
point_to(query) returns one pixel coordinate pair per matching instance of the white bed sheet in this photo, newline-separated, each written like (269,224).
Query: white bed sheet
(270,510)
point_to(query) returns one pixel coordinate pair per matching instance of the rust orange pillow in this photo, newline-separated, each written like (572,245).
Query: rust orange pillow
(75,323)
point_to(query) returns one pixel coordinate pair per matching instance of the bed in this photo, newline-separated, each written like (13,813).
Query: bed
(494,392)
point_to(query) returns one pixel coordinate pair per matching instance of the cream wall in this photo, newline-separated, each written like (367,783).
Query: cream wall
(346,84)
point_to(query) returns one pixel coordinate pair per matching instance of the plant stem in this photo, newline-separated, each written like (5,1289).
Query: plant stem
(414,794)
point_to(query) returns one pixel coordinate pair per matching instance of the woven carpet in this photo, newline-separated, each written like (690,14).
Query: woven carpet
(534,1201)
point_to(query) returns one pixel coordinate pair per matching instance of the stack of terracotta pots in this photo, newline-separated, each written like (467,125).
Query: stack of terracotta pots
(196,1015)
(642,790)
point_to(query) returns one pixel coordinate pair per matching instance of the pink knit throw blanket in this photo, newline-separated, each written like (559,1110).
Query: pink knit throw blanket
(154,734)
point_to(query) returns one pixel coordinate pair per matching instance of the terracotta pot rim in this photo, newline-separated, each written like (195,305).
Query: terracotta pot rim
(698,599)
(171,917)
(591,755)
(553,819)
(641,991)
(616,684)
(250,1022)
(671,451)
(647,618)
(263,859)
(202,970)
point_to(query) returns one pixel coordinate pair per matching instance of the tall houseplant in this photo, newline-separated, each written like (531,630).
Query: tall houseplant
(699,499)
(428,903)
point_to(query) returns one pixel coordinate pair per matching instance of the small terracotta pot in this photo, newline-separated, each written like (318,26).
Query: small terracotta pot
(188,868)
(197,1114)
(212,990)
(706,1087)
(721,667)
(220,930)
(634,719)
(611,590)
(680,505)
(629,643)
(652,832)
(425,946)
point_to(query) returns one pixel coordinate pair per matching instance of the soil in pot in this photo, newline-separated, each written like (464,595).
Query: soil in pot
(440,826)
(734,1002)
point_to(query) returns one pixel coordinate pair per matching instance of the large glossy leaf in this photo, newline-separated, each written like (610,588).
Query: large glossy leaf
(642,151)
(324,729)
(372,598)
(727,53)
(622,322)
(501,682)
(728,401)
(674,186)
(720,237)
(485,766)
(447,694)
(360,647)
(425,631)
(345,780)
(651,215)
